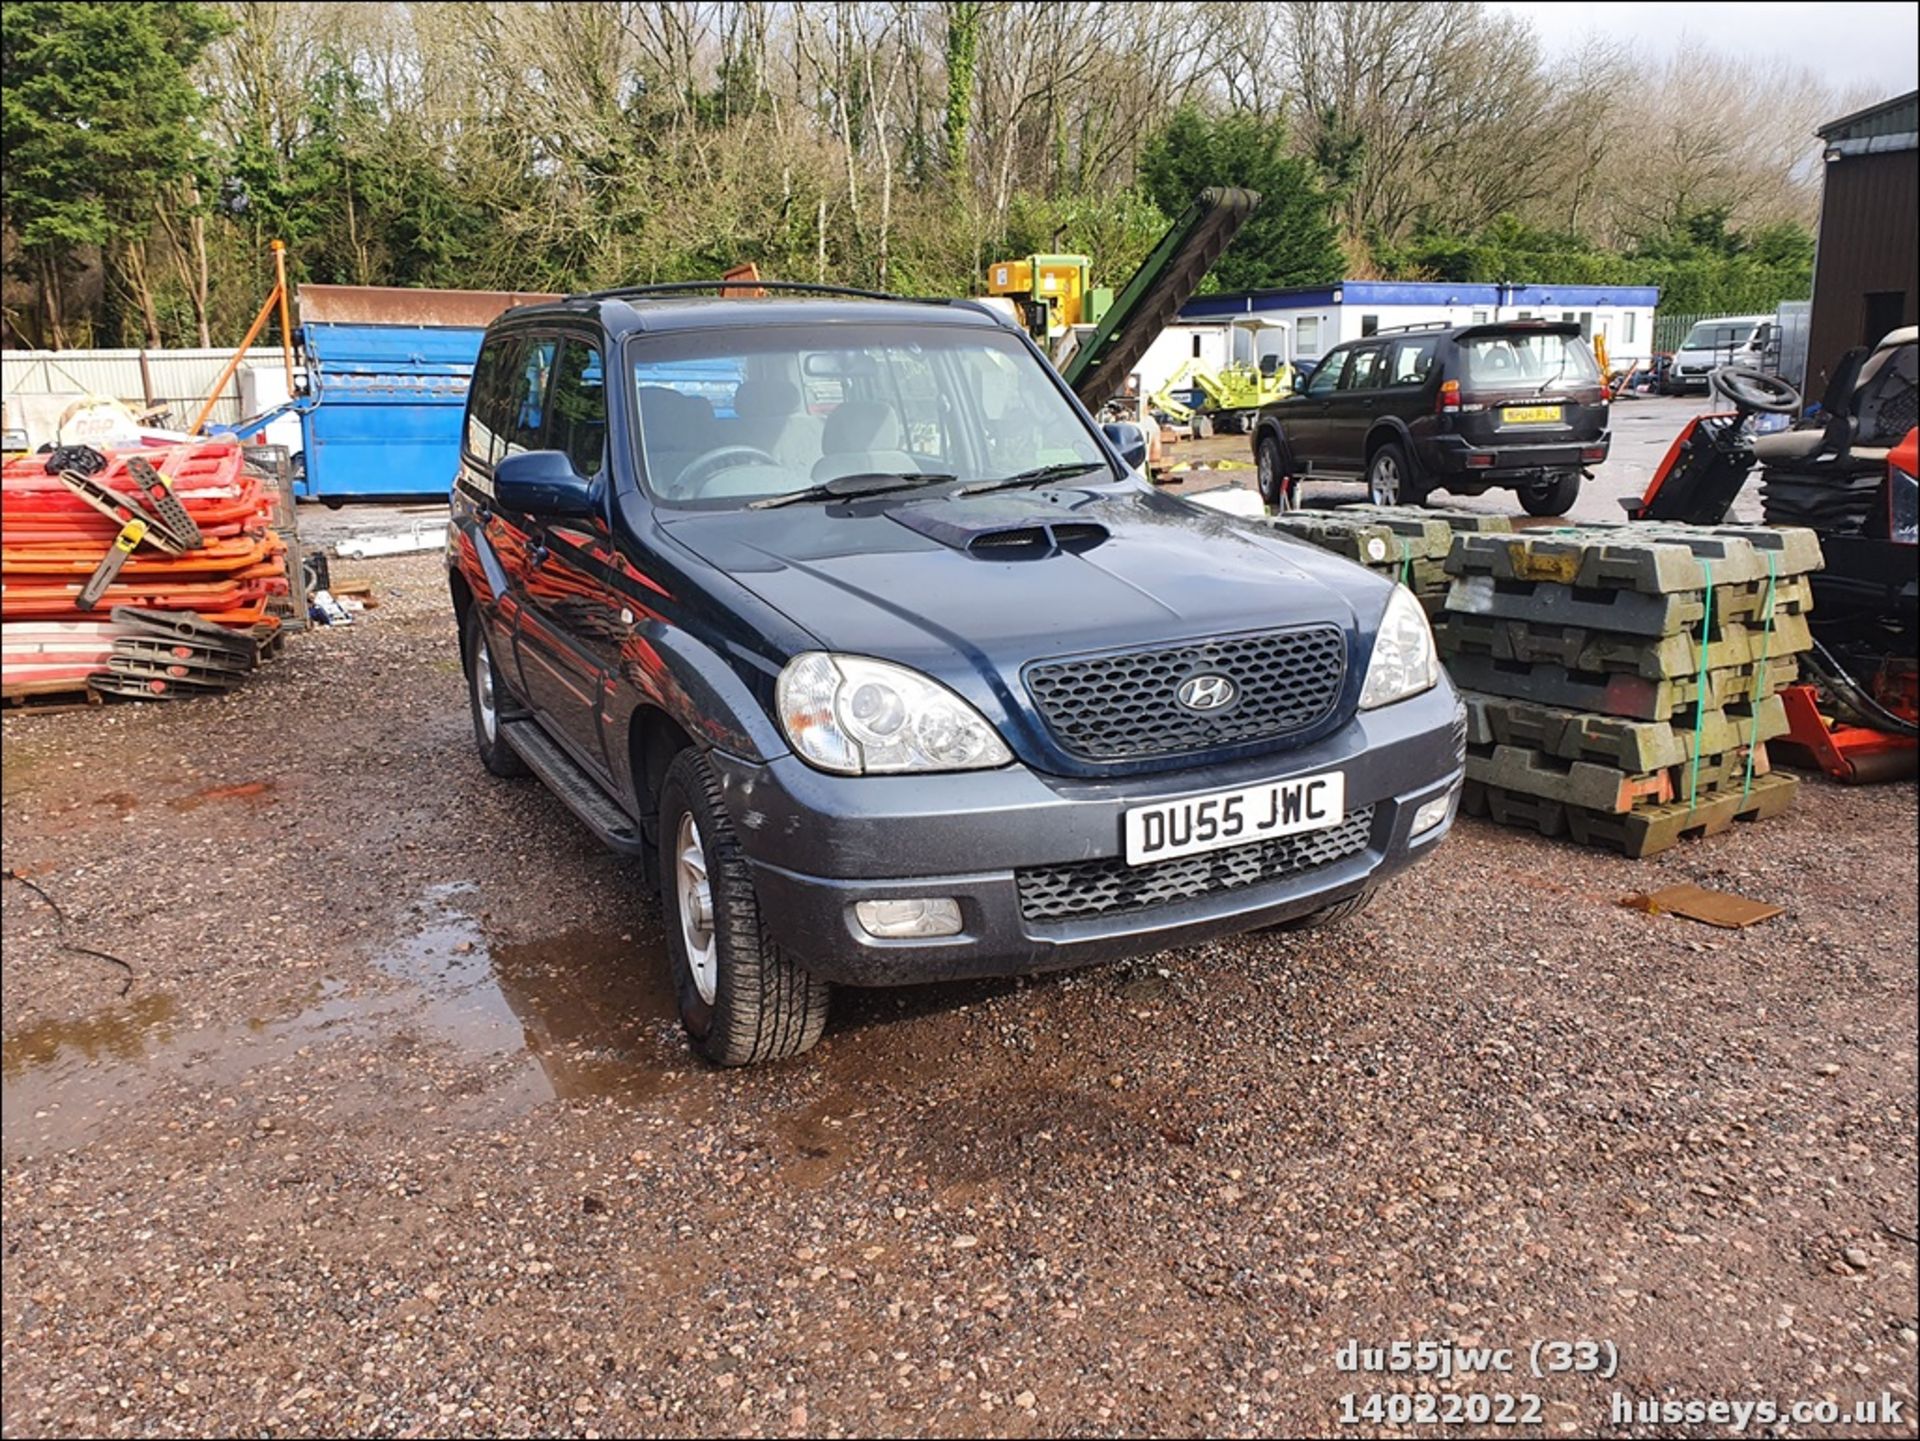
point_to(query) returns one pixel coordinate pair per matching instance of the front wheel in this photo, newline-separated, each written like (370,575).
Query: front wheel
(487,698)
(1390,478)
(1550,497)
(742,999)
(1278,489)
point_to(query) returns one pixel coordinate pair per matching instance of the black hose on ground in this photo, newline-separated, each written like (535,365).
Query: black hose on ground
(1849,692)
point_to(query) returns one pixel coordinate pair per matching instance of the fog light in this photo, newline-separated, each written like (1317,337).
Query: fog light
(921,916)
(1435,812)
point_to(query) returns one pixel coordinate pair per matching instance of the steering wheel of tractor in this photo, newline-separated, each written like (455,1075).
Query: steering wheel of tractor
(708,463)
(1751,389)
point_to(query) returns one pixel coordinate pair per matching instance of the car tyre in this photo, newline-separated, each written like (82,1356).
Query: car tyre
(742,998)
(1278,489)
(1329,915)
(489,702)
(1550,497)
(1390,477)
(1202,424)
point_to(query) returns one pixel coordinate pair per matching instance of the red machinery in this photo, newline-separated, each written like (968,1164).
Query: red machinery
(1851,478)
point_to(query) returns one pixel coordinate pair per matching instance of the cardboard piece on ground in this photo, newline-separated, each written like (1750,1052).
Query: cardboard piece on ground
(1716,908)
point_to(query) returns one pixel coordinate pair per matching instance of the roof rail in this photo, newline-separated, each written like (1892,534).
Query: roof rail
(1416,325)
(804,287)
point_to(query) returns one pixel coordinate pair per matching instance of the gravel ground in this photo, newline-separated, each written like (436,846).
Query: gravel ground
(385,1124)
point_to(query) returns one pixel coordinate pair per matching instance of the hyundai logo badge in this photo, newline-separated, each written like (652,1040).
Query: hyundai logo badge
(1206,692)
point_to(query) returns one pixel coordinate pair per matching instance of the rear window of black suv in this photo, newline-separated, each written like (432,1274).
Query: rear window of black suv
(1539,358)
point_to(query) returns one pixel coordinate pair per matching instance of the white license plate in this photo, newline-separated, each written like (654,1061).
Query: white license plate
(1234,818)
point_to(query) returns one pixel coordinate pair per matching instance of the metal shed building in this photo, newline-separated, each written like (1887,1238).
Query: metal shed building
(1864,274)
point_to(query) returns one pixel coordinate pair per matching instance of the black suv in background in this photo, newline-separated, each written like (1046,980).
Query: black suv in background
(1519,405)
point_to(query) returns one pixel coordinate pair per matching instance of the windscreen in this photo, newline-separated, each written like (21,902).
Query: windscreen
(1536,360)
(729,416)
(1717,335)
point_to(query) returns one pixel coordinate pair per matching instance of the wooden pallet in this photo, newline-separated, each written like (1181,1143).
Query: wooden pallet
(49,696)
(1637,833)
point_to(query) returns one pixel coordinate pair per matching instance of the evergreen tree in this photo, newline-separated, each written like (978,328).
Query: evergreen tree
(1291,238)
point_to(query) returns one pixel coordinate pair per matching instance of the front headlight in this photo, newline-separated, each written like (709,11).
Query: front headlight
(1404,662)
(857,716)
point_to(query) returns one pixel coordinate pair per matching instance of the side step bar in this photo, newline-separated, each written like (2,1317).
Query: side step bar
(616,829)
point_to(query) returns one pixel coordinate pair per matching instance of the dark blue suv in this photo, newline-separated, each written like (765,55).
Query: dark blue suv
(844,610)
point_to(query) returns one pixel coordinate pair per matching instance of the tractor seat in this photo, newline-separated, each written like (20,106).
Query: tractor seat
(1784,447)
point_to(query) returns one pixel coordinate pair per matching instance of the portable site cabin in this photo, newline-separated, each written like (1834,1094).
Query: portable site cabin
(1323,316)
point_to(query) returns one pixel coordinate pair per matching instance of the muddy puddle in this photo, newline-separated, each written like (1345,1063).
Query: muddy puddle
(581,1014)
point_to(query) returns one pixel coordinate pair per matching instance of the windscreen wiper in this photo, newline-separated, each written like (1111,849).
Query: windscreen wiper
(1039,475)
(866,482)
(1553,379)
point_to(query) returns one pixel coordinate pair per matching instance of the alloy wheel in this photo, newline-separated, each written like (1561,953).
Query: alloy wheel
(695,896)
(483,688)
(1383,481)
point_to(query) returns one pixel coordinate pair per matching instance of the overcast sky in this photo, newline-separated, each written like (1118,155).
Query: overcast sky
(1875,45)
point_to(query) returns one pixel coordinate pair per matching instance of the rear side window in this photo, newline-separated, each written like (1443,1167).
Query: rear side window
(578,406)
(488,402)
(1410,361)
(529,398)
(1364,370)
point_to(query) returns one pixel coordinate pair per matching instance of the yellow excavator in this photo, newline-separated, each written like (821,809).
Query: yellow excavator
(1095,336)
(1233,393)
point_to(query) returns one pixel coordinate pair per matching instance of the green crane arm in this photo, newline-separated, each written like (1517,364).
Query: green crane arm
(1165,281)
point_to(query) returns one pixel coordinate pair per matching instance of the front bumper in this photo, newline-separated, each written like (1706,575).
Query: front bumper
(820,843)
(1455,455)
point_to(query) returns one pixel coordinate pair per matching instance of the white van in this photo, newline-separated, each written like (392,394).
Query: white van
(1721,340)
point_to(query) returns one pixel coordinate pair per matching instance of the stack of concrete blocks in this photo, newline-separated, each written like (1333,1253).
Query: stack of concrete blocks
(1406,543)
(1622,681)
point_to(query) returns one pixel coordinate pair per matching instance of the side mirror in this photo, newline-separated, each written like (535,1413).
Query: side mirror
(1129,440)
(542,482)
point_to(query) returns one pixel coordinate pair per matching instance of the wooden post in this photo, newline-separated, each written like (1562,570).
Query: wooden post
(276,299)
(286,325)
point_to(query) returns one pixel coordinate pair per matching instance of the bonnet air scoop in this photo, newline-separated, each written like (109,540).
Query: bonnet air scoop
(1002,528)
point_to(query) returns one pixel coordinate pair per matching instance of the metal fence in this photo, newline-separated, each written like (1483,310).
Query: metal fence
(176,379)
(1670,330)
